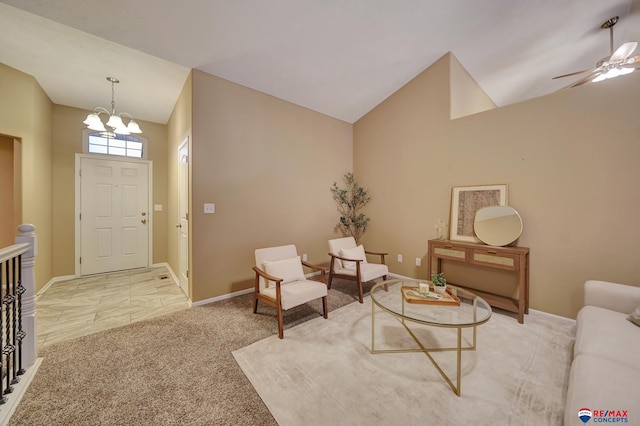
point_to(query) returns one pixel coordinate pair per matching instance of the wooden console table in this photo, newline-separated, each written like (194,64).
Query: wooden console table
(515,259)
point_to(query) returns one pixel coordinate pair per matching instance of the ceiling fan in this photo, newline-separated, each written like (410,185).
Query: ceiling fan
(617,64)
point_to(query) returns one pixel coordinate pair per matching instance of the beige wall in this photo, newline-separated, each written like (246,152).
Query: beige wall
(7,228)
(466,96)
(10,188)
(267,165)
(570,160)
(178,128)
(68,129)
(26,114)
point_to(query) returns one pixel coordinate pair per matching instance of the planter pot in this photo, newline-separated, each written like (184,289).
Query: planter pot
(440,289)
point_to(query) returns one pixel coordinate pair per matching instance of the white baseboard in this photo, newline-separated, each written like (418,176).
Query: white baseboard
(52,281)
(18,392)
(174,277)
(166,265)
(552,315)
(223,297)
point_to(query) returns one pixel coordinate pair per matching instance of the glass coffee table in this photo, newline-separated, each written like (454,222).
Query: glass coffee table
(458,309)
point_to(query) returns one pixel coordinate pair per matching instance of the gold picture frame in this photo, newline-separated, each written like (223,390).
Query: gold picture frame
(466,201)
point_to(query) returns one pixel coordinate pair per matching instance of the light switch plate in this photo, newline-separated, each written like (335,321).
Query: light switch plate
(157,208)
(209,208)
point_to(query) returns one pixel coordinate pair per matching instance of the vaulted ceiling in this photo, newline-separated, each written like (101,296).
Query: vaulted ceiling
(338,57)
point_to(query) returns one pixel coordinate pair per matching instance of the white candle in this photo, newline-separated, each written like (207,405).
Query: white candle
(424,288)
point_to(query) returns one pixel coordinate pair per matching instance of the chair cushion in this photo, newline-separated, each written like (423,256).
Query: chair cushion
(338,244)
(608,335)
(356,253)
(272,254)
(297,292)
(368,271)
(289,269)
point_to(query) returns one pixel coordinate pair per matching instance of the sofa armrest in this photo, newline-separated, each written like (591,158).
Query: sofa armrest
(616,297)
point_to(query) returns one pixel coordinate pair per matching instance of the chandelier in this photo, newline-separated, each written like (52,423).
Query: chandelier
(94,122)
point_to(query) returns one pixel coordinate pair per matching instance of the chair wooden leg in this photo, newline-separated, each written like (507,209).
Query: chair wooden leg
(360,291)
(329,282)
(280,323)
(324,307)
(255,306)
(386,287)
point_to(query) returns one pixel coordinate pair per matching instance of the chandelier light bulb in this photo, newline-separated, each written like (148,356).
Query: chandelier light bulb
(133,127)
(115,121)
(93,122)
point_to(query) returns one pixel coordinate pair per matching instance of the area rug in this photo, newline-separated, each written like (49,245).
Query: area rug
(323,372)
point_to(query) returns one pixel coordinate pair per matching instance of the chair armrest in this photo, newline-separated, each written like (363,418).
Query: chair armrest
(616,297)
(345,258)
(267,276)
(323,270)
(375,253)
(315,267)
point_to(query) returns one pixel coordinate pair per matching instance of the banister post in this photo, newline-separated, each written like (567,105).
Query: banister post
(27,235)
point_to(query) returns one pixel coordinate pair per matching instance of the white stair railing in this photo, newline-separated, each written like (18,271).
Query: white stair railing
(28,236)
(17,316)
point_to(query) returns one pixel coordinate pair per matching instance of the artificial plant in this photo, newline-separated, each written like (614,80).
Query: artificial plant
(350,200)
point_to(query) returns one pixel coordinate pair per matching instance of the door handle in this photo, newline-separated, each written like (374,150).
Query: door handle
(178,226)
(144,221)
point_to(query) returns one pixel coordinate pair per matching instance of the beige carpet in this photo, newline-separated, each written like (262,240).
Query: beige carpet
(323,372)
(171,370)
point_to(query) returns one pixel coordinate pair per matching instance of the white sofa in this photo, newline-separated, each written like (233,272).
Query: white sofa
(605,372)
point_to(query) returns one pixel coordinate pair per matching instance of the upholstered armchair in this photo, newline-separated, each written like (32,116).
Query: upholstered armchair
(349,261)
(280,281)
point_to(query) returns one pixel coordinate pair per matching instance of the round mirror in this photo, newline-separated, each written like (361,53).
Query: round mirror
(497,225)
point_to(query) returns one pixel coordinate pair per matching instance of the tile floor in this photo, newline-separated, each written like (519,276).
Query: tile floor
(82,306)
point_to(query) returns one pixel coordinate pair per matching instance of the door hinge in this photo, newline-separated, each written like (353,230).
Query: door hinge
(187,274)
(186,215)
(81,260)
(80,216)
(80,172)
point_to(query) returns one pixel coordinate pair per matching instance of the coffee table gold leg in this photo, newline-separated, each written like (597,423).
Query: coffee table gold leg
(373,326)
(457,390)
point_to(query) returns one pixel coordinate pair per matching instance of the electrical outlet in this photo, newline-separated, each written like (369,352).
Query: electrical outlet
(209,208)
(418,261)
(399,258)
(304,257)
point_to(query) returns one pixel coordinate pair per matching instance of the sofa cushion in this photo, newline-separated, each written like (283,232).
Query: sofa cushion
(607,334)
(600,384)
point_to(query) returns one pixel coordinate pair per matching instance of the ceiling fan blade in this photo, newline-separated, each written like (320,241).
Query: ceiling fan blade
(624,51)
(586,79)
(573,73)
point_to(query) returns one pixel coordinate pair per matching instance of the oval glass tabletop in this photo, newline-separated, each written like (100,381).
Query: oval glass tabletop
(399,300)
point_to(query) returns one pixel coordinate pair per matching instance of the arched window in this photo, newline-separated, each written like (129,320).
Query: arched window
(110,143)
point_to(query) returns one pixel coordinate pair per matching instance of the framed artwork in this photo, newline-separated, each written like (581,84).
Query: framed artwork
(466,201)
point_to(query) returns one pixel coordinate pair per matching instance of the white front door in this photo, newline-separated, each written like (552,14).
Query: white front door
(114,215)
(183,216)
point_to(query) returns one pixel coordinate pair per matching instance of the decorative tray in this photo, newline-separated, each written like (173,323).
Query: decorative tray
(412,295)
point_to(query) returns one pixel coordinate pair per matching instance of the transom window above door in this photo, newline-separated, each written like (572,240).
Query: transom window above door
(109,143)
